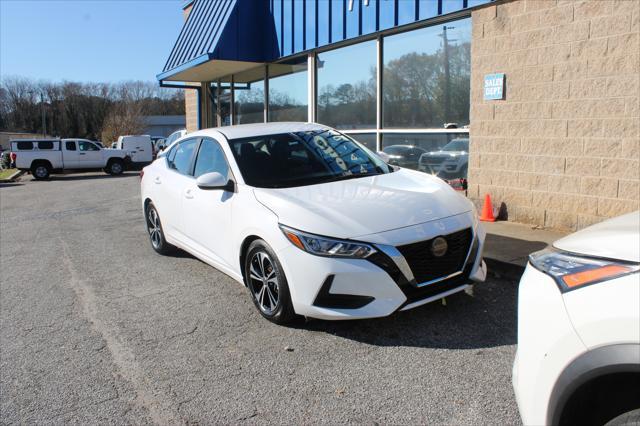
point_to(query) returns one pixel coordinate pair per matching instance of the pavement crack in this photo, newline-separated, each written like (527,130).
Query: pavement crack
(160,406)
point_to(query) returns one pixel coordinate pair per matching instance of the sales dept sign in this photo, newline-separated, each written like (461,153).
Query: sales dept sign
(493,86)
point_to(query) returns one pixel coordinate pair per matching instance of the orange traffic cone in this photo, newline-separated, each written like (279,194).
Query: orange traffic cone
(487,210)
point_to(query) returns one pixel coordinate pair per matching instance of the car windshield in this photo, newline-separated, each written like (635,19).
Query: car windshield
(457,145)
(303,158)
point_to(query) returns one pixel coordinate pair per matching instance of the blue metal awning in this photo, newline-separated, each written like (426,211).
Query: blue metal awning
(221,37)
(229,32)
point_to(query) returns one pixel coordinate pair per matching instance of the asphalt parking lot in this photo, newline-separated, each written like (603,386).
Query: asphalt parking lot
(96,327)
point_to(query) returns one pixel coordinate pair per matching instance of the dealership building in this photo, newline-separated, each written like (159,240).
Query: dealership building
(536,101)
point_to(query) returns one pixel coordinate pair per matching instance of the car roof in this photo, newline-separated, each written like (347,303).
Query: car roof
(259,129)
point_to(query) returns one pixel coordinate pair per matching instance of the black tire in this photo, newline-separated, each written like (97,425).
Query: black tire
(156,234)
(262,292)
(40,171)
(630,418)
(115,167)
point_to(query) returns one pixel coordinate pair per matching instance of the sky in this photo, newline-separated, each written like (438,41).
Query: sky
(87,40)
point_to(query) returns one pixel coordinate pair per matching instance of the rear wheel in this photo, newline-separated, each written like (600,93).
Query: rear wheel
(40,171)
(268,284)
(115,167)
(156,234)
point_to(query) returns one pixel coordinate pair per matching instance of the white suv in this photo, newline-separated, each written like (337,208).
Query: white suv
(312,222)
(578,358)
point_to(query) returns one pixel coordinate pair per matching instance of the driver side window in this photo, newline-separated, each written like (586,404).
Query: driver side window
(87,146)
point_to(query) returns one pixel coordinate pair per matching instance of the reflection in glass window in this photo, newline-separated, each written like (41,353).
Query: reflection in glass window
(180,158)
(443,154)
(366,139)
(426,76)
(288,91)
(224,101)
(347,86)
(249,96)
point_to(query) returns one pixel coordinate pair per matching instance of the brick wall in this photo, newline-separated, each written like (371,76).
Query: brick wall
(191,108)
(562,149)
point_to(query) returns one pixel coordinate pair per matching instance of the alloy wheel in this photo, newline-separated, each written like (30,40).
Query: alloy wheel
(155,232)
(263,282)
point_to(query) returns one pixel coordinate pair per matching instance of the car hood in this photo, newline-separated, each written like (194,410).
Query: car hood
(363,206)
(617,238)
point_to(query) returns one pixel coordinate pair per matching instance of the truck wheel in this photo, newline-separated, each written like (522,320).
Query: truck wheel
(40,171)
(115,167)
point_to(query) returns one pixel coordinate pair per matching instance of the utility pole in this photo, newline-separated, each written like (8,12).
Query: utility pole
(44,120)
(447,72)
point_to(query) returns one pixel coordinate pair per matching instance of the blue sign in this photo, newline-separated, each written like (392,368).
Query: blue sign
(493,86)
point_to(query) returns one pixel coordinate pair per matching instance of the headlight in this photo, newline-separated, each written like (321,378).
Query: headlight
(323,246)
(571,271)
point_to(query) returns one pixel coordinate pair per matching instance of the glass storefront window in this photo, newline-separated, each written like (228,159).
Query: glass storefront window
(443,154)
(288,91)
(249,96)
(347,86)
(426,76)
(366,139)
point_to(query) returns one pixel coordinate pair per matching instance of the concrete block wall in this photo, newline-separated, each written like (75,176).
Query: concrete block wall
(562,150)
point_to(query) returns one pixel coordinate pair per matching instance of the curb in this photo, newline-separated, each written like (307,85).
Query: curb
(13,177)
(506,269)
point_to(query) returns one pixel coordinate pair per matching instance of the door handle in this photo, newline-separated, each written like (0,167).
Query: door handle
(82,153)
(188,194)
(157,180)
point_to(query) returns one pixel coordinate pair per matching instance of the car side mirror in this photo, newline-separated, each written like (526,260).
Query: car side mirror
(214,180)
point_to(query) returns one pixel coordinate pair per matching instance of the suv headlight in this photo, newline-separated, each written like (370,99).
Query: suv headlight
(571,271)
(324,246)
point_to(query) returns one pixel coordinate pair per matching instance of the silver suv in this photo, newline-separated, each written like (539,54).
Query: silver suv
(450,162)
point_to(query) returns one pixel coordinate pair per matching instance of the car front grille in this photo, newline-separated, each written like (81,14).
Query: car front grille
(435,160)
(427,267)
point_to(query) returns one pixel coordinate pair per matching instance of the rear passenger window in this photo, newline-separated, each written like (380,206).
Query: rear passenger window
(180,161)
(25,145)
(70,146)
(45,145)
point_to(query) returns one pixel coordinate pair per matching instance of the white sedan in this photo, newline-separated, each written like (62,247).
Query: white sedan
(578,357)
(312,222)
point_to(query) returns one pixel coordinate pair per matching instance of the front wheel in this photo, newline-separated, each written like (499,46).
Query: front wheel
(268,284)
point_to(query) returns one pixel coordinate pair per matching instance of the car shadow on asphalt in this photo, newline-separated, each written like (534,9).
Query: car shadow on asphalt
(90,177)
(9,184)
(486,319)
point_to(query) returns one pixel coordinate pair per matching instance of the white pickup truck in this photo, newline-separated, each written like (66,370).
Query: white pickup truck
(45,156)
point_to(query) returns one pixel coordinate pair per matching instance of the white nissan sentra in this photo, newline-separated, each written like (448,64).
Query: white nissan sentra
(312,222)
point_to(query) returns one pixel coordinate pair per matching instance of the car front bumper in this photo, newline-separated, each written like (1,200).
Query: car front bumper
(334,288)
